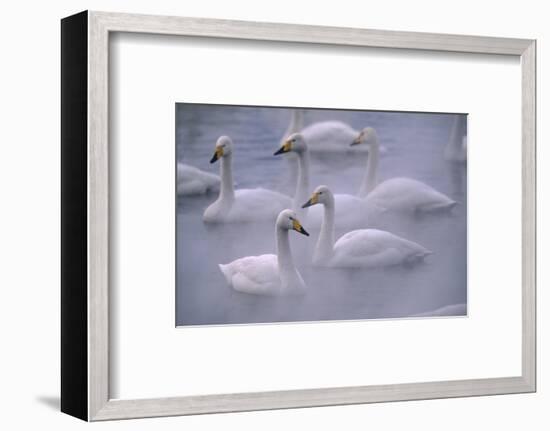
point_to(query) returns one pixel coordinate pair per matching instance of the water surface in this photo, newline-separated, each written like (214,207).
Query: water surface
(415,145)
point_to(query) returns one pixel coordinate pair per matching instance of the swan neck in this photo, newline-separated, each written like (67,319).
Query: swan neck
(457,131)
(295,125)
(284,255)
(227,192)
(302,185)
(296,122)
(370,179)
(325,244)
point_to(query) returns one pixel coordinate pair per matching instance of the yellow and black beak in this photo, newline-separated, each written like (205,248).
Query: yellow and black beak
(356,141)
(285,148)
(217,154)
(298,227)
(312,201)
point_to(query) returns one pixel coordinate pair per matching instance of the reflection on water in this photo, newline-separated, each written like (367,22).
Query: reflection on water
(415,144)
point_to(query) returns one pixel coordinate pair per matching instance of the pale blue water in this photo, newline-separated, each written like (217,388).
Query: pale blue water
(415,144)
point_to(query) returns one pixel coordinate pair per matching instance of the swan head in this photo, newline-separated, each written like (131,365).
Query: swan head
(287,220)
(366,136)
(224,147)
(294,142)
(321,195)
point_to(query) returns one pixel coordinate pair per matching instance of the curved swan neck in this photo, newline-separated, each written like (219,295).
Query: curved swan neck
(455,132)
(455,146)
(302,184)
(325,244)
(284,255)
(370,179)
(295,125)
(227,191)
(296,122)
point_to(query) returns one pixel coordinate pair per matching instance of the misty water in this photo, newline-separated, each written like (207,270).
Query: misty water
(415,145)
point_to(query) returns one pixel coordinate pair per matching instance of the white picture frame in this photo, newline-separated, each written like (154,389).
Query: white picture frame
(85,215)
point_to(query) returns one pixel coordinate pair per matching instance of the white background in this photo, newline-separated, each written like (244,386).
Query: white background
(30,215)
(153,359)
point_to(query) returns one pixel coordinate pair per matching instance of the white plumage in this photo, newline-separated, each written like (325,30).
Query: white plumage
(242,205)
(254,274)
(248,205)
(269,274)
(193,181)
(331,136)
(396,194)
(350,212)
(351,209)
(367,248)
(406,194)
(375,248)
(457,146)
(447,310)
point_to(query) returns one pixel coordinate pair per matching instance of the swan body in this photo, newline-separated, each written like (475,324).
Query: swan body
(333,136)
(269,274)
(350,212)
(396,194)
(324,136)
(351,209)
(363,248)
(330,136)
(193,181)
(457,146)
(296,124)
(406,194)
(370,248)
(243,205)
(447,310)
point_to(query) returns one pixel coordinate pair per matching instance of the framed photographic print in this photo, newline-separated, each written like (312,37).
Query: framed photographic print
(261,216)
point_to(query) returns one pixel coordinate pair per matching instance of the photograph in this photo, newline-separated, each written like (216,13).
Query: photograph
(299,214)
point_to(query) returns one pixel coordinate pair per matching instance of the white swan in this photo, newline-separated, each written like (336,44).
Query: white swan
(244,204)
(331,136)
(447,310)
(457,146)
(351,209)
(193,181)
(322,137)
(269,274)
(396,194)
(296,124)
(366,248)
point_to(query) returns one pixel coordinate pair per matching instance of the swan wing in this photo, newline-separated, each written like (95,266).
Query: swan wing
(448,310)
(330,136)
(350,212)
(253,274)
(191,180)
(373,247)
(334,136)
(407,194)
(258,204)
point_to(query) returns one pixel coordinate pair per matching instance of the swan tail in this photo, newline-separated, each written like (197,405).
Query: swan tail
(440,207)
(424,254)
(227,273)
(418,256)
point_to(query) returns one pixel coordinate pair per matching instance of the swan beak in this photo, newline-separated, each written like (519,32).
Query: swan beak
(285,148)
(356,141)
(312,201)
(298,227)
(217,154)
